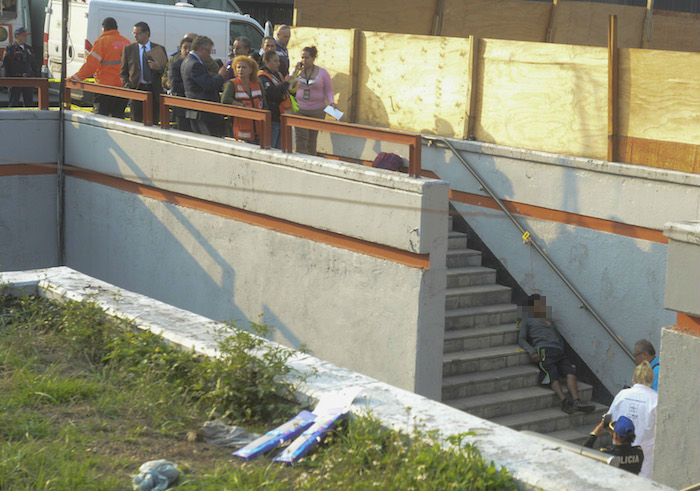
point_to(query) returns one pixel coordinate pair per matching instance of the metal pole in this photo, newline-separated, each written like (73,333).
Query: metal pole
(541,251)
(61,183)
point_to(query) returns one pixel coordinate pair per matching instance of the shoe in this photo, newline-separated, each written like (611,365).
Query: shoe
(567,405)
(584,407)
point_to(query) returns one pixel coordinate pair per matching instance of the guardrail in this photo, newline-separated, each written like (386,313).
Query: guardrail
(413,140)
(258,115)
(41,83)
(137,95)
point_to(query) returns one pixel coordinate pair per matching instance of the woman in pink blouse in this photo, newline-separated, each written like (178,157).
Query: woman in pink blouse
(314,93)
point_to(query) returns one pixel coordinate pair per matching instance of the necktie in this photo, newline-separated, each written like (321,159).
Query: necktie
(146,68)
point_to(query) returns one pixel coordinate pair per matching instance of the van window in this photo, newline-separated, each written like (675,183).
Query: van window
(242,29)
(8,9)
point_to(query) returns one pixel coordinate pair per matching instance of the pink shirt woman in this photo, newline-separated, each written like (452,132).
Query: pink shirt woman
(314,93)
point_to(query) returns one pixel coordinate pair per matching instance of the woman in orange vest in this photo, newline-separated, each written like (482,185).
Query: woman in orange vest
(276,91)
(244,90)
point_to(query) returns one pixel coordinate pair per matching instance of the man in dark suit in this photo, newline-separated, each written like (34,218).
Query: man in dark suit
(143,63)
(199,84)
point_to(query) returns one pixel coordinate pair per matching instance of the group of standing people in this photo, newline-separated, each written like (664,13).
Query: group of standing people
(256,79)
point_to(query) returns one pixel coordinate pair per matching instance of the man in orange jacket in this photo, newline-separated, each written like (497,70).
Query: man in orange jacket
(104,62)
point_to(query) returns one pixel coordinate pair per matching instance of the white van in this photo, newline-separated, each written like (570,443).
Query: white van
(168,24)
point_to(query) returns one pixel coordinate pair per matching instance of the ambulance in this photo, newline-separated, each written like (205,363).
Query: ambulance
(168,24)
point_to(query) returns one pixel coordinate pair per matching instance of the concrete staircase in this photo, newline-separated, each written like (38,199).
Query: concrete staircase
(484,371)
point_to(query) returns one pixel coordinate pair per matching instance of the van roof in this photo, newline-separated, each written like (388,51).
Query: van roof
(201,12)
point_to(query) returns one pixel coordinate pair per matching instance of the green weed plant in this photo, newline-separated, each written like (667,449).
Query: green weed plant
(86,398)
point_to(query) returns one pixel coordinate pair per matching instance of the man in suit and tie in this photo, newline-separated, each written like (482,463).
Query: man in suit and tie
(199,84)
(142,66)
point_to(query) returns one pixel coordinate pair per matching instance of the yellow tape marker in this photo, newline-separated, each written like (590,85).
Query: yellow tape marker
(526,237)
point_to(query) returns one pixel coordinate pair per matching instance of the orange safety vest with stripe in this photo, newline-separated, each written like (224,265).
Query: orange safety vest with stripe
(286,104)
(104,61)
(244,129)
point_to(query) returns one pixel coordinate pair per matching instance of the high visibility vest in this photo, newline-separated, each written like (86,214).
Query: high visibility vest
(244,129)
(286,104)
(104,61)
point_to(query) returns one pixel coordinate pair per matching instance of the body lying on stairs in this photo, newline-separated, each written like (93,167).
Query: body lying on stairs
(545,346)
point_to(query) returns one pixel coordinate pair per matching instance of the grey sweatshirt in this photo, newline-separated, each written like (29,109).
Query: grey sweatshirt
(537,332)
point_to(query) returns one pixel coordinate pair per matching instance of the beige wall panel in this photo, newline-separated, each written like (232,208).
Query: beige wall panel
(543,96)
(402,16)
(660,95)
(500,19)
(423,88)
(587,24)
(675,31)
(334,49)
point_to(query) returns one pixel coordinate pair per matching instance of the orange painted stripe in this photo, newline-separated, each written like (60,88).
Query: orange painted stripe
(567,218)
(411,259)
(37,169)
(687,324)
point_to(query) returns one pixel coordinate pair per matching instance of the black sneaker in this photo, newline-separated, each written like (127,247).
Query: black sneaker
(584,407)
(567,405)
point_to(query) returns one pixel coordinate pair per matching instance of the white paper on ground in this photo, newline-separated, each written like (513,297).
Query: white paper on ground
(338,401)
(336,113)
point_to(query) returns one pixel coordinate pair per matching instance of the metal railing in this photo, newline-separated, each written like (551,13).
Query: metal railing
(138,95)
(40,83)
(537,247)
(413,140)
(261,116)
(597,455)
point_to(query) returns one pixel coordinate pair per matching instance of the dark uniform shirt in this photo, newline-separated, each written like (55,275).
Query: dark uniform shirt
(630,458)
(19,61)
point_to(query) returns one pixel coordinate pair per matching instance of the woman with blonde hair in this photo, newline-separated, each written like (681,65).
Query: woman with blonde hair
(638,403)
(244,90)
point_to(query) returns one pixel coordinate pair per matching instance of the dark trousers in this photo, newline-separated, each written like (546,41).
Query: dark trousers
(26,93)
(207,124)
(137,106)
(108,105)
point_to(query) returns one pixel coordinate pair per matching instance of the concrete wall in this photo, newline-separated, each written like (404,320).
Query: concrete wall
(371,314)
(600,223)
(677,441)
(27,191)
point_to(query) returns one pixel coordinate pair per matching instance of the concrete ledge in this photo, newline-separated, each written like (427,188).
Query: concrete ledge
(687,231)
(535,464)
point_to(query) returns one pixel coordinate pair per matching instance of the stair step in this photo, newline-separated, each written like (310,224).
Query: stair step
(474,296)
(458,258)
(513,401)
(551,420)
(477,383)
(482,316)
(456,240)
(487,359)
(470,276)
(480,337)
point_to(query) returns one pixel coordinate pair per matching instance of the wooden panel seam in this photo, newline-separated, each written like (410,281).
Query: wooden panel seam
(389,253)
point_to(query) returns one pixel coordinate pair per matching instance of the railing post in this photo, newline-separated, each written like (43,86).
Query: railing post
(286,134)
(414,157)
(148,110)
(67,99)
(164,113)
(266,136)
(43,94)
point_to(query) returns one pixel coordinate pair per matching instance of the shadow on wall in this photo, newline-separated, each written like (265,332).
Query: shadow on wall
(156,250)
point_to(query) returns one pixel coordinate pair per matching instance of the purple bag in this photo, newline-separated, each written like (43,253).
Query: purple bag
(389,161)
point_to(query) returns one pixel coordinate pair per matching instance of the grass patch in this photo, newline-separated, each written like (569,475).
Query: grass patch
(86,399)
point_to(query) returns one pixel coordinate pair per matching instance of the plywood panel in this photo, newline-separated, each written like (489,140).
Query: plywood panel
(400,16)
(586,24)
(676,31)
(543,96)
(500,19)
(423,88)
(334,50)
(660,95)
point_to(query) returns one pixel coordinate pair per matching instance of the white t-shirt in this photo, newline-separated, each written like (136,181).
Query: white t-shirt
(638,403)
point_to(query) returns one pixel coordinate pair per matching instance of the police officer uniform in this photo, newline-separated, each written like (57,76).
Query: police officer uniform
(19,62)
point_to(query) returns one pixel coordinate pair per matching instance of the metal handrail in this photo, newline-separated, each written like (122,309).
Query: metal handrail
(597,455)
(137,95)
(413,140)
(258,115)
(40,83)
(541,251)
